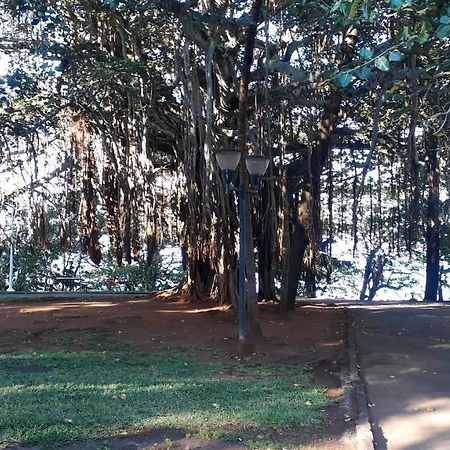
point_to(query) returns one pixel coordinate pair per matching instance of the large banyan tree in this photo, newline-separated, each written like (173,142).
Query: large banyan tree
(331,91)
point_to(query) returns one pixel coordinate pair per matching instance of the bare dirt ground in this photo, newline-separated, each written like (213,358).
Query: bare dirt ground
(311,335)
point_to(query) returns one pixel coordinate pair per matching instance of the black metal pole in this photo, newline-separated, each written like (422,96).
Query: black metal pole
(242,263)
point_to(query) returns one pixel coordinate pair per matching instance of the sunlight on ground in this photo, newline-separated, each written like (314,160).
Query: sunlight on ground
(83,305)
(384,306)
(192,311)
(431,419)
(62,306)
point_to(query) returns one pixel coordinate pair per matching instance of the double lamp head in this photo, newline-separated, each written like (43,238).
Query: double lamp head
(228,161)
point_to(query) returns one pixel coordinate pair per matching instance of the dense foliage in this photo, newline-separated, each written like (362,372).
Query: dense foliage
(350,99)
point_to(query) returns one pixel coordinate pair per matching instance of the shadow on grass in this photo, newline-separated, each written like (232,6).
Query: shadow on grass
(91,394)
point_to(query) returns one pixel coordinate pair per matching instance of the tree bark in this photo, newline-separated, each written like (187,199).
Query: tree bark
(413,166)
(306,221)
(267,245)
(298,244)
(311,222)
(433,222)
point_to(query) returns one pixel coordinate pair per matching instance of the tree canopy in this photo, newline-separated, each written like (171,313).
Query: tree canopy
(349,99)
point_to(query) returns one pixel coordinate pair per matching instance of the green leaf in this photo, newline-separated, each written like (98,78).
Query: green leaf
(366,53)
(344,8)
(401,35)
(396,4)
(398,113)
(423,11)
(424,35)
(443,31)
(396,56)
(284,67)
(445,20)
(354,9)
(405,32)
(366,10)
(364,73)
(336,6)
(382,63)
(245,19)
(344,79)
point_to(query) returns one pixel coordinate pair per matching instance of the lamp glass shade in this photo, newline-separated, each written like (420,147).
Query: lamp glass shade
(257,164)
(228,158)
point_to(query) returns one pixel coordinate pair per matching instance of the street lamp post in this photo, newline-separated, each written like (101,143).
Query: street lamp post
(228,161)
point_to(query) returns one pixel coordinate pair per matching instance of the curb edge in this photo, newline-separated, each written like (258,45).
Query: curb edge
(363,429)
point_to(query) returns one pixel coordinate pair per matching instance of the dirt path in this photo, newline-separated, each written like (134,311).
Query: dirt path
(312,335)
(404,354)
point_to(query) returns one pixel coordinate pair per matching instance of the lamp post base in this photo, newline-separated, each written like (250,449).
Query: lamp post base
(246,348)
(10,289)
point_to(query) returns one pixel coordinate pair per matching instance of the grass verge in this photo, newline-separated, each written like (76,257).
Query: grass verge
(51,398)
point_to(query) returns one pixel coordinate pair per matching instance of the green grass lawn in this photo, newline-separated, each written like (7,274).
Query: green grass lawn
(93,394)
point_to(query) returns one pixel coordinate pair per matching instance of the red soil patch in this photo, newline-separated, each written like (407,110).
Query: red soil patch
(312,335)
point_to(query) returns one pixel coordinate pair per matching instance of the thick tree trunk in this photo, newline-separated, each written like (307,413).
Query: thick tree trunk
(433,222)
(310,282)
(208,215)
(151,247)
(367,274)
(267,250)
(266,233)
(298,243)
(306,229)
(89,232)
(373,275)
(126,227)
(319,156)
(413,166)
(289,225)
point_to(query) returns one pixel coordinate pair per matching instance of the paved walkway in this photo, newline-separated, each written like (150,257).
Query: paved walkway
(404,355)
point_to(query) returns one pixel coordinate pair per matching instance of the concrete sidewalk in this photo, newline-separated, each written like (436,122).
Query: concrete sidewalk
(404,357)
